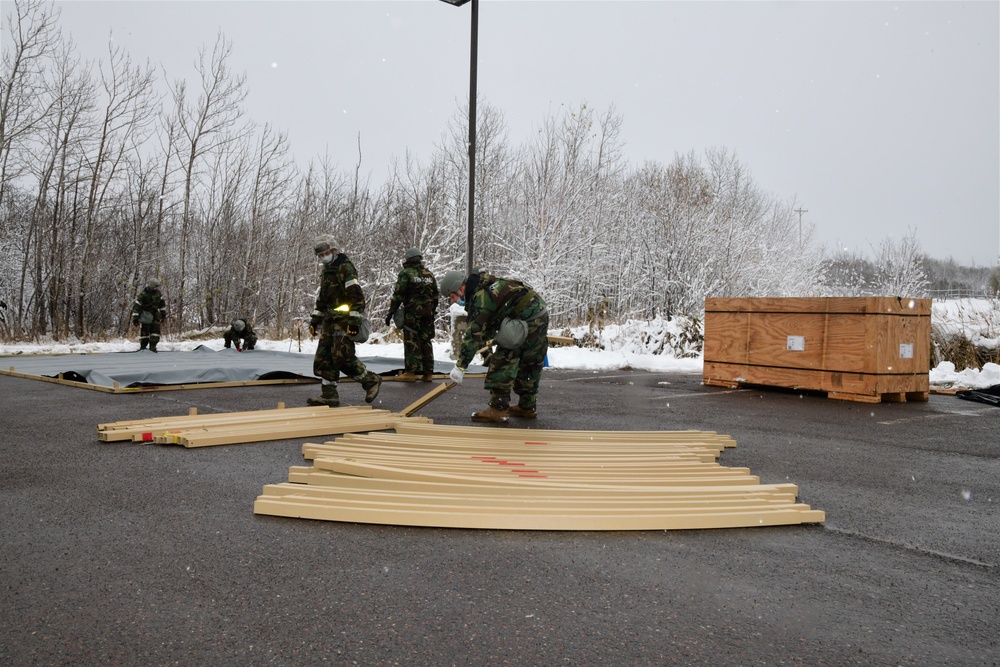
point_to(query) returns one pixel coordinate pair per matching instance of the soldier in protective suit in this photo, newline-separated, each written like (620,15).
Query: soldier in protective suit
(514,316)
(416,293)
(148,311)
(241,334)
(340,305)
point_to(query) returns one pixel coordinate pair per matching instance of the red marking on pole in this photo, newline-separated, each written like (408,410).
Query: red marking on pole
(147,436)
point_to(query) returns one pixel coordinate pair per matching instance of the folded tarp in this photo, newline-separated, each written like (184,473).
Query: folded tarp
(990,395)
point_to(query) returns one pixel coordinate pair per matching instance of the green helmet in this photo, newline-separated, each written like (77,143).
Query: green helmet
(411,253)
(325,242)
(451,282)
(153,284)
(239,325)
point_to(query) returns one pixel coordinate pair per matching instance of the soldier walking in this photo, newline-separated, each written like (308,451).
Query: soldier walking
(416,293)
(340,305)
(148,311)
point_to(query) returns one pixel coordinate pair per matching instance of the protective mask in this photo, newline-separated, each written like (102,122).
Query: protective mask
(326,259)
(461,302)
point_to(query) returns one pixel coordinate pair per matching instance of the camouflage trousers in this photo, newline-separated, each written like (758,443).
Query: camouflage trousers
(336,354)
(418,350)
(520,370)
(149,334)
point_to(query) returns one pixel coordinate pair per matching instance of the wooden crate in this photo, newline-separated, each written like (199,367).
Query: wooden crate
(868,349)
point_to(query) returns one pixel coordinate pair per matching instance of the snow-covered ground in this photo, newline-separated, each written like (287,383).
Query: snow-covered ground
(626,346)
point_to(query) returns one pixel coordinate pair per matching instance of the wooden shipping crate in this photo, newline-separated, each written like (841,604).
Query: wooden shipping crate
(868,349)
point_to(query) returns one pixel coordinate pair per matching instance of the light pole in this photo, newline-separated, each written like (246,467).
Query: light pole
(472,124)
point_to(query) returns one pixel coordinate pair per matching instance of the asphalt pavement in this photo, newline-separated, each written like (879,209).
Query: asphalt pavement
(132,554)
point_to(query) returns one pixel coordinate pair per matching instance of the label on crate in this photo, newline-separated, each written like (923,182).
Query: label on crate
(906,350)
(796,343)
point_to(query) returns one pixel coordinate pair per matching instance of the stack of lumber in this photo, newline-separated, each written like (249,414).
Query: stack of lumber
(230,428)
(467,477)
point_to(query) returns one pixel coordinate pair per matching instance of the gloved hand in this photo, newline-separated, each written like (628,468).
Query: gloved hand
(352,325)
(312,330)
(457,374)
(239,349)
(388,319)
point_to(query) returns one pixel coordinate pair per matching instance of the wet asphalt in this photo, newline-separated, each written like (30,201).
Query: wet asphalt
(131,554)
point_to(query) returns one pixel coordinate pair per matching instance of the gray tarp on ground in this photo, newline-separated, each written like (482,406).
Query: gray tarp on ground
(203,364)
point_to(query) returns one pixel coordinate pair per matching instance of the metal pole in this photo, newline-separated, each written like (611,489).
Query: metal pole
(472,133)
(800,211)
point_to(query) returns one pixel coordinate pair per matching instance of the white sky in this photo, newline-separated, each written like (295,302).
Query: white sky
(881,118)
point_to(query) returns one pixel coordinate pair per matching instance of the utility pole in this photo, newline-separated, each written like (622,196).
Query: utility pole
(800,211)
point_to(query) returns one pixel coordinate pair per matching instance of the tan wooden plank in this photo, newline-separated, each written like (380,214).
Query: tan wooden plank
(544,436)
(450,518)
(527,504)
(552,465)
(130,429)
(426,398)
(362,469)
(301,476)
(275,431)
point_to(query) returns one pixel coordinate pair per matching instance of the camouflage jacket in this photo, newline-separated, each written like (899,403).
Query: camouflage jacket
(150,301)
(338,287)
(416,290)
(241,335)
(492,299)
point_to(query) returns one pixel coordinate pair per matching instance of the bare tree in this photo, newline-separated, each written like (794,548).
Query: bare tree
(204,125)
(25,101)
(128,112)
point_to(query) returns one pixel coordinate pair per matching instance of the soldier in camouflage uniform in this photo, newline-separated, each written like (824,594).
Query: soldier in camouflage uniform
(417,293)
(340,304)
(489,300)
(242,334)
(148,311)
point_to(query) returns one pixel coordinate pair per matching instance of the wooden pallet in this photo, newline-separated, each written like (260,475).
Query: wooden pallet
(842,386)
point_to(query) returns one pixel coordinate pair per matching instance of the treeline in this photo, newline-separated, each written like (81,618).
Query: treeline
(110,176)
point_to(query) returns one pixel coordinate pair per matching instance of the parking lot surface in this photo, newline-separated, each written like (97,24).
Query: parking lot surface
(132,554)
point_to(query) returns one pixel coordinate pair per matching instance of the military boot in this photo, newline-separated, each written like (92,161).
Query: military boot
(490,415)
(371,390)
(407,376)
(427,377)
(523,413)
(329,398)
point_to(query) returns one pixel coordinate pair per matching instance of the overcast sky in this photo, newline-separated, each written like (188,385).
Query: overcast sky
(879,118)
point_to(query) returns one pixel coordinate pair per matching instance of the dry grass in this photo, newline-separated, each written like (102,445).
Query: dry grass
(966,333)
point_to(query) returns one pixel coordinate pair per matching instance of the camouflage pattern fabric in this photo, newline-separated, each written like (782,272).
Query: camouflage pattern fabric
(493,299)
(149,301)
(246,339)
(417,292)
(335,354)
